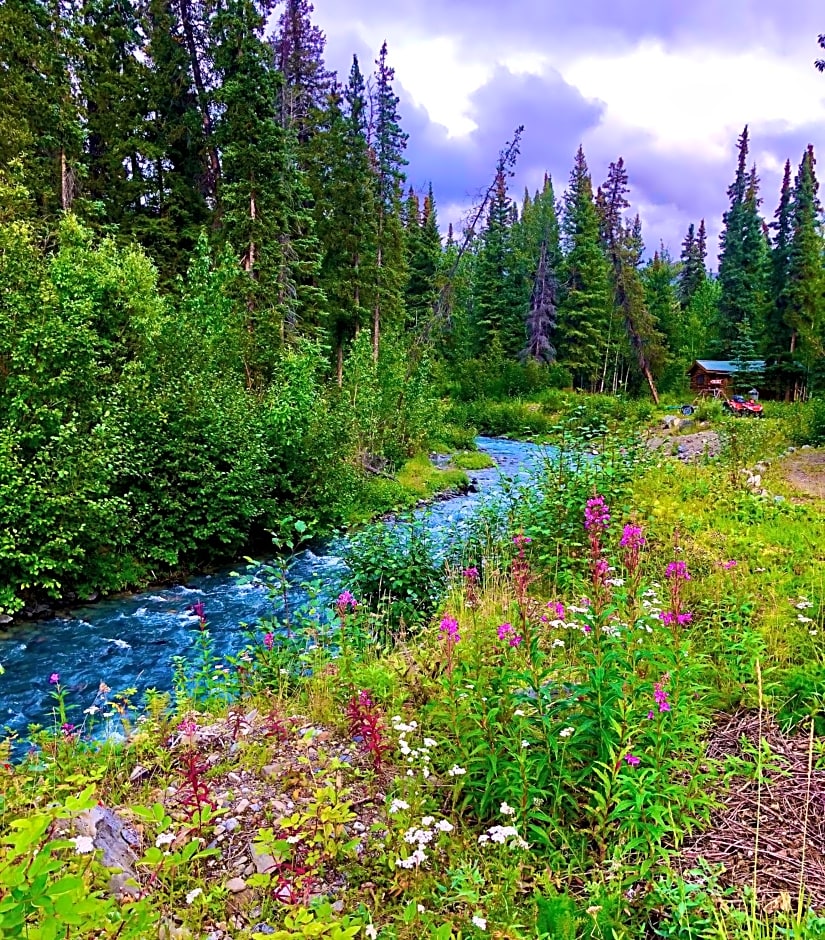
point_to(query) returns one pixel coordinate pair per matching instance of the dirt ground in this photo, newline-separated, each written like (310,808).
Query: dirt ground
(686,446)
(805,471)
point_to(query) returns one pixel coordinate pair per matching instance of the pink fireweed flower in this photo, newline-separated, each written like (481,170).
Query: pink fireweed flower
(515,640)
(727,565)
(556,608)
(188,727)
(632,537)
(54,678)
(650,715)
(632,760)
(67,728)
(470,574)
(677,571)
(269,640)
(521,540)
(660,695)
(504,629)
(449,627)
(345,603)
(596,515)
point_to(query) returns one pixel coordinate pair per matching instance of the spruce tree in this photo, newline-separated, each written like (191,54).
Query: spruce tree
(423,243)
(40,121)
(298,47)
(264,196)
(498,289)
(114,83)
(623,245)
(743,258)
(585,302)
(805,294)
(177,149)
(693,271)
(388,143)
(662,279)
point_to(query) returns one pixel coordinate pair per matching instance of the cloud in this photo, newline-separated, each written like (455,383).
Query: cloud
(668,86)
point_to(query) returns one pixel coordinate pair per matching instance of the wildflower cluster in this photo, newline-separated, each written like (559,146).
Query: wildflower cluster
(419,754)
(366,725)
(677,574)
(421,837)
(506,632)
(504,835)
(471,580)
(631,543)
(596,521)
(345,604)
(660,696)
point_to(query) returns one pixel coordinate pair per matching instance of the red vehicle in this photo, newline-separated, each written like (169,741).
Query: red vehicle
(743,407)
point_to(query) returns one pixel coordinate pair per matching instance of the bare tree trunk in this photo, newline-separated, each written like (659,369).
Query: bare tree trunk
(65,182)
(376,314)
(339,356)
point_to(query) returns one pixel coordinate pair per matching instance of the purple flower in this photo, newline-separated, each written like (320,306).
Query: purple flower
(632,537)
(596,515)
(269,640)
(650,715)
(470,574)
(684,618)
(188,727)
(727,565)
(504,629)
(54,678)
(199,610)
(521,540)
(557,608)
(449,627)
(67,728)
(346,602)
(660,695)
(515,640)
(677,571)
(632,760)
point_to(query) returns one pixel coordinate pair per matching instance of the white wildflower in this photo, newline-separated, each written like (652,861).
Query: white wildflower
(444,826)
(525,743)
(501,834)
(506,810)
(456,771)
(371,931)
(429,742)
(422,909)
(566,732)
(194,893)
(397,805)
(293,840)
(803,619)
(479,922)
(615,582)
(165,838)
(558,644)
(428,821)
(83,844)
(91,710)
(519,713)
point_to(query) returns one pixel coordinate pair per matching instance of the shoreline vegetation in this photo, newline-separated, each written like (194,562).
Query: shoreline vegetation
(608,724)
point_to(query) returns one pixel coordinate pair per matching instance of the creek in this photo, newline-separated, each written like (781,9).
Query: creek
(128,641)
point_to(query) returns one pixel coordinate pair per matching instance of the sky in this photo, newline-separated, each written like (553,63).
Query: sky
(666,84)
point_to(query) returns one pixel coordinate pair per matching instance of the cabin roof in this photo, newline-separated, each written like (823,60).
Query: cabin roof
(728,366)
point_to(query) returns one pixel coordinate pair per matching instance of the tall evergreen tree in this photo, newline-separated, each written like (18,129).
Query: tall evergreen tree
(177,149)
(40,125)
(693,271)
(298,46)
(423,259)
(498,287)
(623,246)
(388,142)
(114,82)
(585,302)
(661,280)
(743,258)
(264,196)
(805,294)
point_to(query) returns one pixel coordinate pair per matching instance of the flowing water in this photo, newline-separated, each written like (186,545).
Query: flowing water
(129,641)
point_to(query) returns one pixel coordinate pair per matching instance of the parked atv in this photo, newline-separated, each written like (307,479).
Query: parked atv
(743,408)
